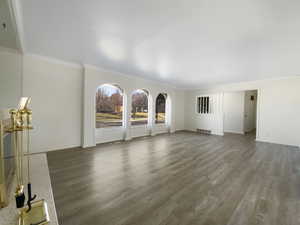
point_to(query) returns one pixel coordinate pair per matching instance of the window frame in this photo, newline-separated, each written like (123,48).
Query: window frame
(146,92)
(165,95)
(209,104)
(123,108)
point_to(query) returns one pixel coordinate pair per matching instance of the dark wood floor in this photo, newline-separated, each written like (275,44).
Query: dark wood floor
(178,179)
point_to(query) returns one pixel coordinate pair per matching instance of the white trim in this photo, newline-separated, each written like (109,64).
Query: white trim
(139,126)
(63,147)
(108,141)
(128,139)
(222,85)
(161,125)
(56,61)
(17,17)
(265,140)
(258,105)
(234,132)
(101,69)
(111,128)
(217,133)
(160,132)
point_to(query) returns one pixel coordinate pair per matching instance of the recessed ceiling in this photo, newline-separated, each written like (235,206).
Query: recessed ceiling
(8,35)
(187,43)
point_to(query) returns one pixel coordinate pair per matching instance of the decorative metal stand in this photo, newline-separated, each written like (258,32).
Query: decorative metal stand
(34,213)
(38,215)
(4,169)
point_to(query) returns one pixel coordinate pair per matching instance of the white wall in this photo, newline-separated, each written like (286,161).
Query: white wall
(212,121)
(179,110)
(94,77)
(56,91)
(233,107)
(10,78)
(278,109)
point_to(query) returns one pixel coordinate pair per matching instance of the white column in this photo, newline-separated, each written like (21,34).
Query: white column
(153,109)
(170,113)
(127,116)
(150,114)
(89,111)
(220,111)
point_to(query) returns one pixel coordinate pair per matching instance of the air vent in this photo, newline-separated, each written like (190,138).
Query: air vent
(202,131)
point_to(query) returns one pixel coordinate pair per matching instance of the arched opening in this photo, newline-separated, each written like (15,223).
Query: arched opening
(139,109)
(109,106)
(160,108)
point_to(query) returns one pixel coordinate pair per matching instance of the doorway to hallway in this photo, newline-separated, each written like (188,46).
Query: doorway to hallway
(240,112)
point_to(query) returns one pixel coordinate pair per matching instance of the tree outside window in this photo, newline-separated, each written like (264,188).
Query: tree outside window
(139,110)
(109,106)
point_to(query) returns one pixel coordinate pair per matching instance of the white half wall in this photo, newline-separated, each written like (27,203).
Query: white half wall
(233,108)
(278,109)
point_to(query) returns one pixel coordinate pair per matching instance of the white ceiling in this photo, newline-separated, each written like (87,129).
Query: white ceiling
(187,43)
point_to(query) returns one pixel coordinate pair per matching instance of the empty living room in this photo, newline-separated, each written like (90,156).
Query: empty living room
(148,112)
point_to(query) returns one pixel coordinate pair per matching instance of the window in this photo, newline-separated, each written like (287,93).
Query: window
(203,105)
(160,107)
(109,106)
(139,111)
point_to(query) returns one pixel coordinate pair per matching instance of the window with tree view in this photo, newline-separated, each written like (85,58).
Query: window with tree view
(109,106)
(160,107)
(139,110)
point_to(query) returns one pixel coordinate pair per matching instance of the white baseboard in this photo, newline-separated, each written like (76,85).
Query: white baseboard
(234,132)
(219,134)
(274,142)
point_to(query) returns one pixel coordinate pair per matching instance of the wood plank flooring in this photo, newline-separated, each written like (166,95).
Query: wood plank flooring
(179,179)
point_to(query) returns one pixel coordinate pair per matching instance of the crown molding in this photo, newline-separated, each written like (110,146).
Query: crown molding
(15,9)
(101,69)
(55,60)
